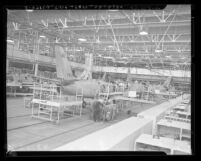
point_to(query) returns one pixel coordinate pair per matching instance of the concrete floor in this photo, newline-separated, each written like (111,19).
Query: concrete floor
(25,133)
(15,107)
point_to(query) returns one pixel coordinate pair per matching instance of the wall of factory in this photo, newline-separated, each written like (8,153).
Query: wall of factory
(16,54)
(119,136)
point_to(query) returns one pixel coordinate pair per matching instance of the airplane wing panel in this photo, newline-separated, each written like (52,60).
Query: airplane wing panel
(132,99)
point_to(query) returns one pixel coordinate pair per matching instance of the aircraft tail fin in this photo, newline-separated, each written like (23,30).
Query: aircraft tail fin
(63,67)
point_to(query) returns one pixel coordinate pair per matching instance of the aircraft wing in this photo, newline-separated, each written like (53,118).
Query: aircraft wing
(63,67)
(167,94)
(161,93)
(43,78)
(132,99)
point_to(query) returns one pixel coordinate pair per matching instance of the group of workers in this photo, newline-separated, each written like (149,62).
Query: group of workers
(102,111)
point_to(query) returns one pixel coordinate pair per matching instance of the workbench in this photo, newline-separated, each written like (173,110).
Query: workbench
(168,145)
(171,124)
(55,105)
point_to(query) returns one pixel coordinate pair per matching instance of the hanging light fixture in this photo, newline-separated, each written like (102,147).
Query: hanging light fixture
(143,30)
(82,39)
(158,50)
(42,36)
(29,10)
(113,10)
(143,33)
(10,41)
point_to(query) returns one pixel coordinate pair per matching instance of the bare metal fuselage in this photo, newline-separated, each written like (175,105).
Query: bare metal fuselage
(89,87)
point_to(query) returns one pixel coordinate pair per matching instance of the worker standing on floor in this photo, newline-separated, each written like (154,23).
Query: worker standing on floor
(97,110)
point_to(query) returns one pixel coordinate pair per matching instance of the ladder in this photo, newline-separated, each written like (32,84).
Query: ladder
(44,111)
(79,97)
(104,94)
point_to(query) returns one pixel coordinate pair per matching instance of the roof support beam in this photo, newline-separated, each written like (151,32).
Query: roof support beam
(16,26)
(162,19)
(64,23)
(45,23)
(162,39)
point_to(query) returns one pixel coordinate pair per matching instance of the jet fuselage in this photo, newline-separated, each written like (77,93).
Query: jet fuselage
(89,87)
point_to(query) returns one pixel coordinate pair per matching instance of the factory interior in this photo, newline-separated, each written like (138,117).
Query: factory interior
(99,80)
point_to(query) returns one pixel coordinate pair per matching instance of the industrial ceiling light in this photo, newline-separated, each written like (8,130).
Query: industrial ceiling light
(81,39)
(113,10)
(110,46)
(42,36)
(29,10)
(143,33)
(124,57)
(158,51)
(143,30)
(10,41)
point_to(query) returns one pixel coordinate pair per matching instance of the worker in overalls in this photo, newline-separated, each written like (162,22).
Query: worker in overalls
(97,110)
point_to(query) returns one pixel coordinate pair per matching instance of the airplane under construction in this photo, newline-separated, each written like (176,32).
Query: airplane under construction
(69,84)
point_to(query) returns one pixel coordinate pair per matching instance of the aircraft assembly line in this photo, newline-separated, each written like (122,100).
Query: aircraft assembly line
(99,80)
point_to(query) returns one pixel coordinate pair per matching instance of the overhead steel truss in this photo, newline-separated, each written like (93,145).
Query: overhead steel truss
(66,31)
